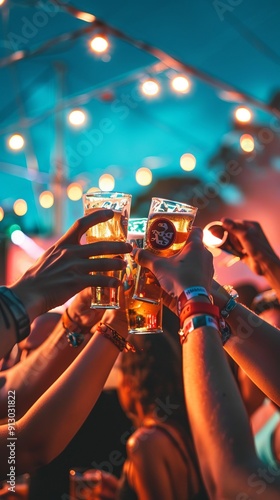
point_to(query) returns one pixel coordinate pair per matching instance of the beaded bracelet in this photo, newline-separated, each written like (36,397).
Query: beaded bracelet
(120,342)
(18,312)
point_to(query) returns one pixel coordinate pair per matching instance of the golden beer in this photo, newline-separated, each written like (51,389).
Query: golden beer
(168,227)
(142,317)
(114,229)
(167,233)
(85,485)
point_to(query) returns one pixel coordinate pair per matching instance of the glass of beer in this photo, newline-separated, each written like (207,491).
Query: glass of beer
(15,489)
(169,223)
(216,237)
(142,317)
(85,484)
(114,229)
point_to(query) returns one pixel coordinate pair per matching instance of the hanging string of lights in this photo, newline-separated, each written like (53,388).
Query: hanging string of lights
(150,87)
(169,60)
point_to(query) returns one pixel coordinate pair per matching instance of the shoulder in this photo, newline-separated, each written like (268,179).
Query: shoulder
(144,439)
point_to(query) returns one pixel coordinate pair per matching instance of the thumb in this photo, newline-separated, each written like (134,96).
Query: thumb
(144,258)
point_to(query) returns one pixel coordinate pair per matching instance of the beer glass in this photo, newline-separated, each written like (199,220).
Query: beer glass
(215,236)
(19,490)
(142,317)
(85,484)
(169,223)
(114,229)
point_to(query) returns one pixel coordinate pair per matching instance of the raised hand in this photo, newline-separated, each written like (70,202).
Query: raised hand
(250,238)
(66,267)
(192,266)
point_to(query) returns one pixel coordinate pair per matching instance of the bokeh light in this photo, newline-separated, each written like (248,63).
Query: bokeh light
(74,191)
(2,213)
(46,199)
(247,143)
(17,237)
(16,142)
(180,84)
(20,207)
(93,189)
(99,44)
(77,117)
(150,87)
(187,162)
(106,182)
(144,176)
(243,115)
(2,2)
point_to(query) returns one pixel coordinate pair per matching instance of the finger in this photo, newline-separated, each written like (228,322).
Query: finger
(103,265)
(196,234)
(242,229)
(80,226)
(238,225)
(98,280)
(106,248)
(144,258)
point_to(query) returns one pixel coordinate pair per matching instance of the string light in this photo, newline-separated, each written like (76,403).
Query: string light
(77,117)
(180,84)
(150,87)
(74,191)
(188,162)
(93,189)
(2,213)
(99,44)
(16,142)
(144,176)
(243,115)
(20,207)
(106,182)
(46,199)
(247,143)
(85,16)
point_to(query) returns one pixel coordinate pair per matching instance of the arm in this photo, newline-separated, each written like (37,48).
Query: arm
(249,237)
(31,377)
(44,431)
(219,423)
(61,272)
(217,415)
(254,345)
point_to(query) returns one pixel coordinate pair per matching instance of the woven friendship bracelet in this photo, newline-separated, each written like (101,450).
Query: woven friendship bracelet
(18,312)
(198,308)
(120,342)
(189,293)
(197,322)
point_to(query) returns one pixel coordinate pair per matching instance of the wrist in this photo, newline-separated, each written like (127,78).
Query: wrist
(190,293)
(33,303)
(196,322)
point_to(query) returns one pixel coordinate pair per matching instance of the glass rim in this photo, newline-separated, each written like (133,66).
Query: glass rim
(218,244)
(174,201)
(113,194)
